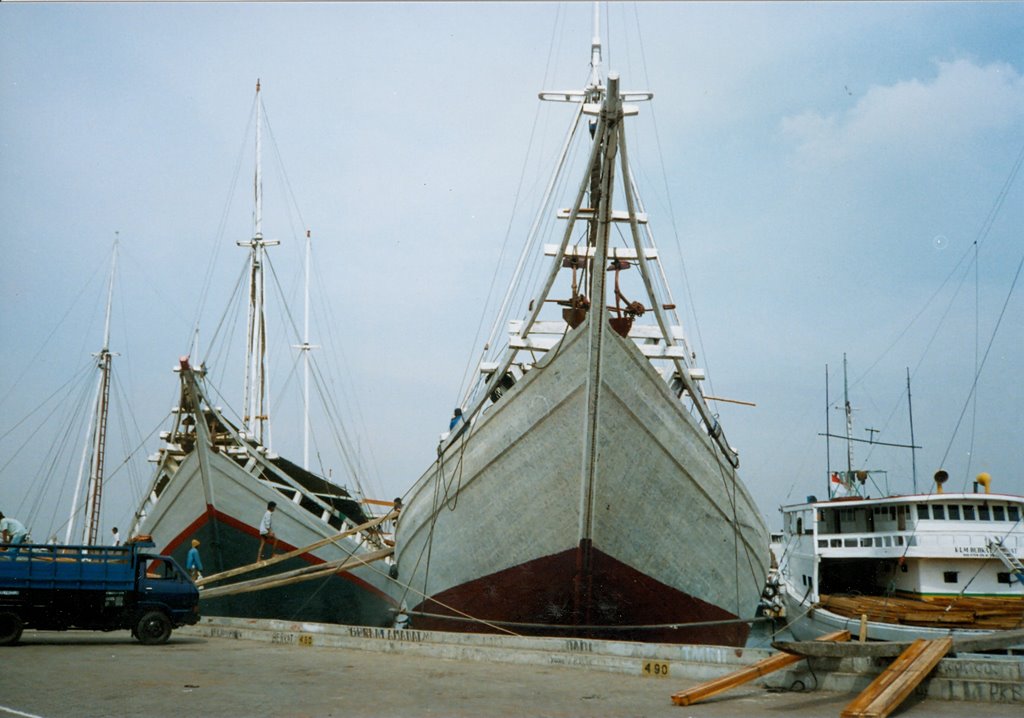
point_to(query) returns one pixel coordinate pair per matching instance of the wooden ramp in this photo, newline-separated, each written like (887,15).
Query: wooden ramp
(898,680)
(745,675)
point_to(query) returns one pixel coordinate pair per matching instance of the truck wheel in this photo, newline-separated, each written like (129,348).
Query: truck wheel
(10,628)
(153,628)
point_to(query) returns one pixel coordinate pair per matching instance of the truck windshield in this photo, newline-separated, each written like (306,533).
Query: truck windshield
(161,570)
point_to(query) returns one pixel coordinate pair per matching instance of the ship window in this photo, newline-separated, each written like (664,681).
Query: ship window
(938,511)
(903,567)
(954,513)
(850,543)
(836,543)
(949,576)
(968,513)
(899,540)
(892,513)
(922,511)
(998,513)
(1012,513)
(799,526)
(888,541)
(983,513)
(1003,577)
(865,541)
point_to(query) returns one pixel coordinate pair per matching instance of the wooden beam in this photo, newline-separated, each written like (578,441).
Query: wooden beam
(745,675)
(308,573)
(546,342)
(231,573)
(899,680)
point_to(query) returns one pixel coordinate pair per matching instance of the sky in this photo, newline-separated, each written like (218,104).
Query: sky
(823,180)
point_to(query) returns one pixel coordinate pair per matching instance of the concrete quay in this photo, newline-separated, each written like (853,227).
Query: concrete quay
(238,667)
(975,678)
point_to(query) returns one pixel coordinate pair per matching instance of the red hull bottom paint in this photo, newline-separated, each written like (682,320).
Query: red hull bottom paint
(552,592)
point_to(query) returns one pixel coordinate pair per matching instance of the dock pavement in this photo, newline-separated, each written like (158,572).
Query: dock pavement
(250,669)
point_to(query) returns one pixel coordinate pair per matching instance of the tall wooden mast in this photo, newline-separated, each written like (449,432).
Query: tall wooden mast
(96,445)
(255,414)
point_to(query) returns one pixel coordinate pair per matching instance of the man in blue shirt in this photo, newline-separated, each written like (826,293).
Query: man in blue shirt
(193,563)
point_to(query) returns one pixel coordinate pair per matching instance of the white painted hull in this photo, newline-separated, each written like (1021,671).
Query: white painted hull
(667,510)
(226,525)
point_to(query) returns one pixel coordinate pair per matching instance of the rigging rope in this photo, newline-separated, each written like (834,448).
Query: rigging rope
(221,229)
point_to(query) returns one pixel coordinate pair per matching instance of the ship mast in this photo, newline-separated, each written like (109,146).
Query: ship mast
(849,426)
(306,348)
(255,418)
(98,430)
(593,88)
(913,448)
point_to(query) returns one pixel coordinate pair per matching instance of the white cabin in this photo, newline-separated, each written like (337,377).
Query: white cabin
(919,546)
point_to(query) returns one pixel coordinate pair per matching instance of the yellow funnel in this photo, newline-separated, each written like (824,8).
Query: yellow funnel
(985,480)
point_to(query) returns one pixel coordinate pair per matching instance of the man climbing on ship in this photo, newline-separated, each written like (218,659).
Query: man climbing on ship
(267,531)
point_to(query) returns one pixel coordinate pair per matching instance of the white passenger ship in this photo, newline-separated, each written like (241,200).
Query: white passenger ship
(916,566)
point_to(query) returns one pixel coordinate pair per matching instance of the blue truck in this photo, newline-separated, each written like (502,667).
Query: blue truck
(99,588)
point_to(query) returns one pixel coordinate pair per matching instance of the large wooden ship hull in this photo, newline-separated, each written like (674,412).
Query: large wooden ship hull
(214,486)
(516,524)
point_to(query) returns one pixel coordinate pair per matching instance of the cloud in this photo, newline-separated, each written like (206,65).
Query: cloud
(913,117)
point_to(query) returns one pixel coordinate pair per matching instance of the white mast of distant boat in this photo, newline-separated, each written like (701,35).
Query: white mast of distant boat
(306,348)
(849,438)
(98,431)
(255,418)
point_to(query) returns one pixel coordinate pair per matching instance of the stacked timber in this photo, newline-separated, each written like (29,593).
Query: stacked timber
(996,614)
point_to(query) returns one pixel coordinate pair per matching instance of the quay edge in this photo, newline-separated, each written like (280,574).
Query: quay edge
(975,678)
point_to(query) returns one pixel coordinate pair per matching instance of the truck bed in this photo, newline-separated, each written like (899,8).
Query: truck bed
(67,567)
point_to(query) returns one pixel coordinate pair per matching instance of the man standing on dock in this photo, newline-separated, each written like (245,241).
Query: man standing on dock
(194,564)
(267,531)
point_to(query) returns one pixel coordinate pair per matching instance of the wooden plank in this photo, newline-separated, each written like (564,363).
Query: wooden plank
(745,675)
(899,680)
(937,617)
(231,573)
(586,213)
(551,250)
(637,331)
(971,612)
(546,342)
(308,573)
